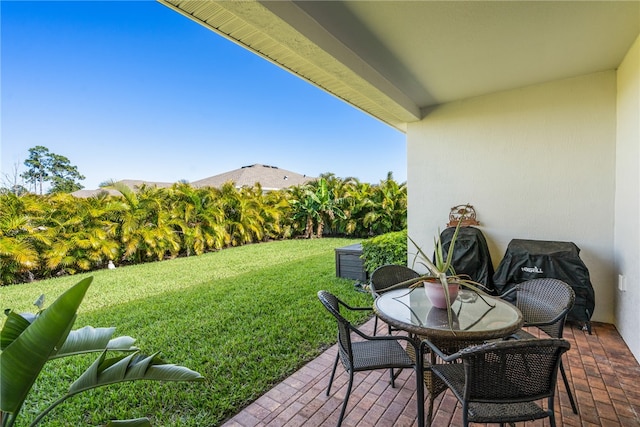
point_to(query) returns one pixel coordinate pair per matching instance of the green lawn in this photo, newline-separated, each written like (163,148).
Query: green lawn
(244,318)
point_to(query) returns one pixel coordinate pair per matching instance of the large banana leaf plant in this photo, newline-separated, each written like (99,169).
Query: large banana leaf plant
(28,341)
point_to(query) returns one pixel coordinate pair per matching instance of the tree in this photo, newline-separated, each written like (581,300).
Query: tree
(198,218)
(63,175)
(20,236)
(37,172)
(84,237)
(145,224)
(11,182)
(242,214)
(388,210)
(45,166)
(318,204)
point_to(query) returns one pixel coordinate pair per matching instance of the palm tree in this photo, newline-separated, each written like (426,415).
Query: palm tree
(198,218)
(42,236)
(276,210)
(19,235)
(243,208)
(389,207)
(354,196)
(83,235)
(145,224)
(319,205)
(305,210)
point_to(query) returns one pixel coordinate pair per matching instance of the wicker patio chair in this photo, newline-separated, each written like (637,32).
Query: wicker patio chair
(501,381)
(369,353)
(382,279)
(545,304)
(387,276)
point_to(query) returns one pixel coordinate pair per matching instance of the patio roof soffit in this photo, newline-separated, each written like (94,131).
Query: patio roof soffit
(283,33)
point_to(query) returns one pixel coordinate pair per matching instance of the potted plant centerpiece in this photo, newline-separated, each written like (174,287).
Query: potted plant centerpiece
(441,283)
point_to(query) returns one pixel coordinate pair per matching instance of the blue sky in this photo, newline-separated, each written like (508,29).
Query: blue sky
(133,90)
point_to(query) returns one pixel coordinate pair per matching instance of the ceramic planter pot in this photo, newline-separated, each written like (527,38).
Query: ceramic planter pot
(436,295)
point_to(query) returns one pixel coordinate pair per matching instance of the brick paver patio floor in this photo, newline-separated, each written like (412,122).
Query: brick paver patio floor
(602,371)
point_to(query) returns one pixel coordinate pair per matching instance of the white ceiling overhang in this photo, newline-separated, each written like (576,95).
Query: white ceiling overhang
(395,59)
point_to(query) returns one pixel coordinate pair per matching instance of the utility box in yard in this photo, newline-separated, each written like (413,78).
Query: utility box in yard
(349,265)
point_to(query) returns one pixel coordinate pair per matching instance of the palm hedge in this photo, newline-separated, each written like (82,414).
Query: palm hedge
(58,234)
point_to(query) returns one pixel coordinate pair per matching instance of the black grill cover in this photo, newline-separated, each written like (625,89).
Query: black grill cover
(533,259)
(470,255)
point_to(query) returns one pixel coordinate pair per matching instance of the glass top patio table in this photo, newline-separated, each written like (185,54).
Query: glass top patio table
(474,317)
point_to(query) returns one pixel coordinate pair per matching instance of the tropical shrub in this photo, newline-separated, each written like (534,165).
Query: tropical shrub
(82,234)
(389,248)
(54,235)
(19,236)
(318,207)
(29,341)
(197,217)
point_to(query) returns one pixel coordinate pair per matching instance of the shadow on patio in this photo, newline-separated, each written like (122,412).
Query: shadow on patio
(600,367)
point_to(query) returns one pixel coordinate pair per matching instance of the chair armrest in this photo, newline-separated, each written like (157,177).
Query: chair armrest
(348,307)
(385,337)
(438,352)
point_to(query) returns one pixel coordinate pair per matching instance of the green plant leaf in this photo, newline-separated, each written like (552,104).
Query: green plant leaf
(90,339)
(130,368)
(13,327)
(39,302)
(424,260)
(23,359)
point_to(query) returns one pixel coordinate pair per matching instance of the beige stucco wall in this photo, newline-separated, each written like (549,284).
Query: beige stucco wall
(627,213)
(536,162)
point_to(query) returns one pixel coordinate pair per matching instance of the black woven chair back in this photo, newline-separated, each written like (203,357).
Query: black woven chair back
(369,353)
(512,370)
(545,303)
(388,275)
(332,304)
